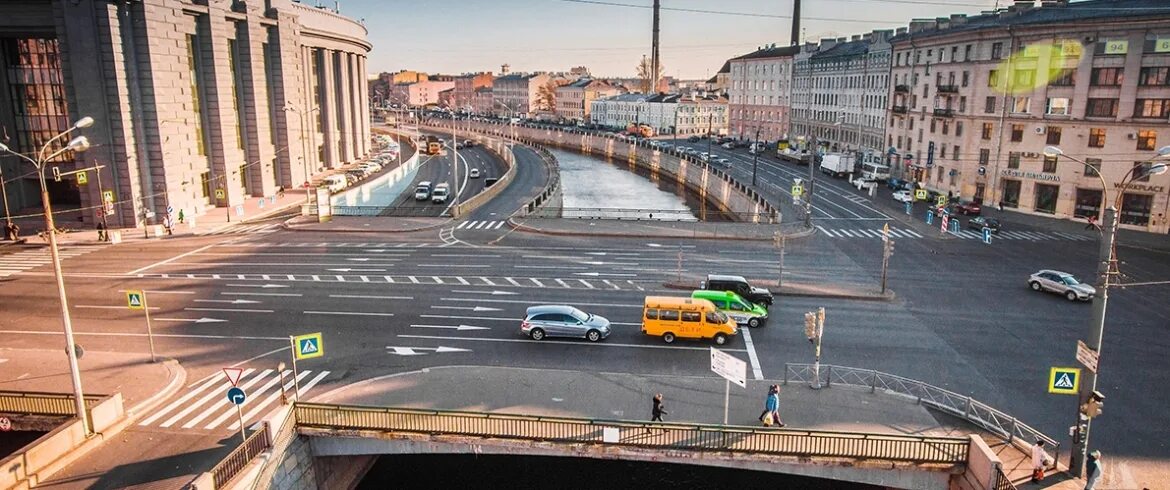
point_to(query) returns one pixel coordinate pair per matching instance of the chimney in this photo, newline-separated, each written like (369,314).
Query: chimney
(855,37)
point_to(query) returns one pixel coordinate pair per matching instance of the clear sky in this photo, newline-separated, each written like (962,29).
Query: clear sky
(456,36)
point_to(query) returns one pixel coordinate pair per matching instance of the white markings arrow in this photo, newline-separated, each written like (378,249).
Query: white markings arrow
(595,274)
(367,259)
(228,301)
(475,308)
(459,327)
(493,293)
(265,286)
(595,253)
(356,270)
(193,320)
(410,351)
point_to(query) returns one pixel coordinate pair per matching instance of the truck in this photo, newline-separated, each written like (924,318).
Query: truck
(837,164)
(640,130)
(874,171)
(795,156)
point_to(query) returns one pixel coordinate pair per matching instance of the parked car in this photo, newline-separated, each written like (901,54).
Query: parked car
(563,321)
(728,145)
(723,161)
(896,184)
(474,173)
(978,223)
(1061,283)
(693,139)
(970,208)
(904,196)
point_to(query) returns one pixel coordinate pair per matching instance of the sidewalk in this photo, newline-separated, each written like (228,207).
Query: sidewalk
(141,382)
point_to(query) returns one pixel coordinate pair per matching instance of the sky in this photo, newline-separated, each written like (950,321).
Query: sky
(459,36)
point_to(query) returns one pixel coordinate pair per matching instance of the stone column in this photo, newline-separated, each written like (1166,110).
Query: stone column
(329,109)
(222,121)
(250,39)
(287,63)
(364,105)
(342,76)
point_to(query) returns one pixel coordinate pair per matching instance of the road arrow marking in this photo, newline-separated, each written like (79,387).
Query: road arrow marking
(493,293)
(460,327)
(265,286)
(410,351)
(367,259)
(595,274)
(356,270)
(228,301)
(476,308)
(193,320)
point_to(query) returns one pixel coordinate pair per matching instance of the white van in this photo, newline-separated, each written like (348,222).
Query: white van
(335,183)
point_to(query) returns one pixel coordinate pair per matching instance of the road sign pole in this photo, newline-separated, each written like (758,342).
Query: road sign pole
(296,384)
(149,330)
(243,431)
(726,398)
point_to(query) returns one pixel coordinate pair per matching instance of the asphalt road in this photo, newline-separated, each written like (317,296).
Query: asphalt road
(437,169)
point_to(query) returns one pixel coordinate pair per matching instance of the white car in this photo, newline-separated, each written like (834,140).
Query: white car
(904,196)
(728,145)
(439,195)
(1061,283)
(474,173)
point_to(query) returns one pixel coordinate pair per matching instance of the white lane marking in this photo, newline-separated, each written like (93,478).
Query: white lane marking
(352,313)
(276,379)
(513,281)
(751,352)
(547,341)
(368,296)
(530,301)
(229,293)
(499,224)
(190,394)
(223,402)
(454,265)
(151,291)
(223,385)
(235,310)
(167,261)
(100,307)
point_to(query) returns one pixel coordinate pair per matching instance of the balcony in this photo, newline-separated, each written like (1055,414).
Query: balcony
(900,109)
(901,89)
(948,89)
(944,112)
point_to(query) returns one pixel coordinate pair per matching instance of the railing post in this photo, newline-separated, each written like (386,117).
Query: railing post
(1012,432)
(873,382)
(967,411)
(829,376)
(786,374)
(921,388)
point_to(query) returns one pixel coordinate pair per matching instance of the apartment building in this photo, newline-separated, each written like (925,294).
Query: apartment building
(516,93)
(466,85)
(575,100)
(759,88)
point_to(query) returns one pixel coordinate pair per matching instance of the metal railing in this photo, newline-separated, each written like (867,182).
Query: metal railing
(35,403)
(1002,482)
(399,211)
(974,411)
(238,459)
(695,437)
(650,215)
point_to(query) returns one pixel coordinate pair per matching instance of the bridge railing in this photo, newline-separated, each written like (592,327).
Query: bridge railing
(974,411)
(240,457)
(34,403)
(397,211)
(697,437)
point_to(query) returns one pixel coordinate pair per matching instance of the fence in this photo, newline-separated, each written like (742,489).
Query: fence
(780,442)
(399,211)
(970,409)
(41,403)
(238,459)
(1002,482)
(650,215)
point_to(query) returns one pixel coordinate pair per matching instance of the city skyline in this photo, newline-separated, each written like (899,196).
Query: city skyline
(411,36)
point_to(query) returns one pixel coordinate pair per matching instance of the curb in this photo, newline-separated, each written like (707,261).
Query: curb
(889,296)
(525,227)
(178,377)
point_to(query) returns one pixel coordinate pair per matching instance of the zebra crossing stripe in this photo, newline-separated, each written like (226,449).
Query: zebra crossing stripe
(823,230)
(461,225)
(267,386)
(222,402)
(499,224)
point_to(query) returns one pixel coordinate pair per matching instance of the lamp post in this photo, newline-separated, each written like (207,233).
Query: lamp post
(4,193)
(304,115)
(1106,268)
(77,144)
(755,156)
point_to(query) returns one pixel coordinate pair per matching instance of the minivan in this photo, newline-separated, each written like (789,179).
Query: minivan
(422,192)
(737,285)
(439,195)
(744,312)
(685,318)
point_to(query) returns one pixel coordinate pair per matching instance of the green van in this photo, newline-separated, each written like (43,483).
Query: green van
(734,306)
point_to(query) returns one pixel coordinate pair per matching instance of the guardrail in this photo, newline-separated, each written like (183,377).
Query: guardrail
(34,403)
(974,411)
(414,211)
(621,214)
(1002,482)
(238,459)
(697,437)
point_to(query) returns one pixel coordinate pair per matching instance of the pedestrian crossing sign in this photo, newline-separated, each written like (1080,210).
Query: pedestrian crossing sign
(82,178)
(1064,380)
(797,191)
(134,300)
(920,195)
(308,346)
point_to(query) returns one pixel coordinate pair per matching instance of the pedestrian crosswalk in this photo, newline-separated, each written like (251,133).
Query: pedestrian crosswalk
(205,406)
(967,234)
(259,229)
(481,225)
(492,281)
(18,262)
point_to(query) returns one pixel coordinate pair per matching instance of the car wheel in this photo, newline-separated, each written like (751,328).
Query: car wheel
(1071,295)
(1035,285)
(720,339)
(668,337)
(754,322)
(536,334)
(593,335)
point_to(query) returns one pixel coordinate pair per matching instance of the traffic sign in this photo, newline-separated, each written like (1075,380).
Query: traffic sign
(219,194)
(135,300)
(236,395)
(797,190)
(308,346)
(5,424)
(239,210)
(1064,380)
(1087,357)
(920,195)
(82,178)
(986,235)
(108,196)
(726,365)
(942,201)
(170,210)
(929,217)
(233,374)
(946,220)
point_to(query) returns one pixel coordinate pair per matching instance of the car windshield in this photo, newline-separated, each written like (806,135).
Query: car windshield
(581,316)
(1070,280)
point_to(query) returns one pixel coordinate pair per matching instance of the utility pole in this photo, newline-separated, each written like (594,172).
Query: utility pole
(813,159)
(755,156)
(654,61)
(887,251)
(814,329)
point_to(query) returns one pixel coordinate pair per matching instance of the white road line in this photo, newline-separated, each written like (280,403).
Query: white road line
(97,307)
(256,409)
(454,265)
(751,352)
(151,291)
(461,225)
(912,233)
(537,282)
(353,313)
(827,232)
(547,341)
(367,296)
(530,301)
(190,394)
(562,283)
(223,401)
(229,293)
(191,407)
(272,382)
(487,281)
(228,310)
(499,224)
(167,261)
(586,283)
(308,386)
(513,281)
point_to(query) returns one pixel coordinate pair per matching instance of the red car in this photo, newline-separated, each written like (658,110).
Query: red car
(968,208)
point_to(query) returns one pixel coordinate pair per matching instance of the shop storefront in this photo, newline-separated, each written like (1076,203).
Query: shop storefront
(1088,203)
(1011,193)
(1045,198)
(1135,209)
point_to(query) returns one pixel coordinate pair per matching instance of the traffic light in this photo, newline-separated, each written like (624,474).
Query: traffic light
(57,174)
(810,326)
(889,248)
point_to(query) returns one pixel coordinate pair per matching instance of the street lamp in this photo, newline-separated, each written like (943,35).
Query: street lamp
(77,144)
(304,149)
(1106,267)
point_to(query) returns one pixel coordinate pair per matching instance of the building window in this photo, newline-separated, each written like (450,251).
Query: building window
(1107,77)
(1155,108)
(1147,139)
(1101,108)
(989,105)
(958,128)
(996,51)
(196,107)
(1024,79)
(984,156)
(1092,166)
(1058,106)
(942,151)
(1141,171)
(1050,164)
(1065,78)
(1017,133)
(1154,75)
(955,153)
(1135,209)
(1021,105)
(987,129)
(993,78)
(966,77)
(1053,133)
(1088,202)
(1011,193)
(1046,196)
(1014,159)
(37,95)
(932,125)
(1096,137)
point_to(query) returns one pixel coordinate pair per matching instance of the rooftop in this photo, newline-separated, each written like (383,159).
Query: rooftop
(1063,14)
(772,51)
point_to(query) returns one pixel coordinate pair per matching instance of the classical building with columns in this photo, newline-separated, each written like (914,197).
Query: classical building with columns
(197,103)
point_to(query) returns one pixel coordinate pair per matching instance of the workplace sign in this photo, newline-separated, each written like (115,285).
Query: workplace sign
(1064,380)
(308,346)
(134,300)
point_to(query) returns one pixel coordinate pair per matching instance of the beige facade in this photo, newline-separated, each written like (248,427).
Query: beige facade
(466,85)
(840,92)
(482,101)
(973,109)
(426,93)
(196,104)
(760,93)
(574,100)
(515,94)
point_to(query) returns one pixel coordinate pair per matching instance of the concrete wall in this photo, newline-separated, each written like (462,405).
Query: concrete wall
(60,447)
(982,465)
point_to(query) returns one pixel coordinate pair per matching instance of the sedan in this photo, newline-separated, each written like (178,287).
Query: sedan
(970,208)
(723,161)
(474,174)
(978,223)
(904,196)
(1061,283)
(563,321)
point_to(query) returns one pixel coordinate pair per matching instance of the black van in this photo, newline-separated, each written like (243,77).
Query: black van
(737,285)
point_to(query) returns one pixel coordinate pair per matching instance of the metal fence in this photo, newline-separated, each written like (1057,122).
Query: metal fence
(34,403)
(781,442)
(970,409)
(238,459)
(652,215)
(398,211)
(1002,482)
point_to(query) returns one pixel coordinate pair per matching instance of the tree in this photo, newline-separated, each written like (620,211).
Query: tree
(644,71)
(546,97)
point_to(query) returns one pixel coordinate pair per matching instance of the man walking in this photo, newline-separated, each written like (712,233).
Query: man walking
(657,411)
(1093,470)
(101,229)
(1040,461)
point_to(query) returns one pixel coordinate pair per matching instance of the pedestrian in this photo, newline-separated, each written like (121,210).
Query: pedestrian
(167,224)
(1092,225)
(280,192)
(1001,206)
(101,229)
(657,411)
(1093,472)
(13,231)
(1040,461)
(181,217)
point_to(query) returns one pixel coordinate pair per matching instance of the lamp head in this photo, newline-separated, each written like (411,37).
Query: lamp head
(84,122)
(4,148)
(1164,151)
(80,143)
(1157,169)
(1053,151)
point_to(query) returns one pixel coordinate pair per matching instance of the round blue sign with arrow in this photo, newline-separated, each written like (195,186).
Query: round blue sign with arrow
(236,395)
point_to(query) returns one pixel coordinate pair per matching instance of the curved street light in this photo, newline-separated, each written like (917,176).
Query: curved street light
(304,149)
(1106,267)
(77,144)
